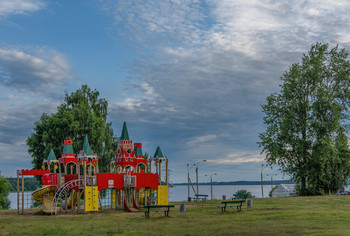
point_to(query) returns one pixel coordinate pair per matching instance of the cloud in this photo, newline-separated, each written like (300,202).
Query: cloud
(11,7)
(209,72)
(239,157)
(17,117)
(41,71)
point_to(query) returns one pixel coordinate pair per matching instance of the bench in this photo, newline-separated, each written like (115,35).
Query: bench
(200,196)
(237,204)
(240,196)
(157,208)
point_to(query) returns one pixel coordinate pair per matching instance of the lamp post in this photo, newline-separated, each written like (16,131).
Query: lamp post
(211,185)
(188,182)
(197,172)
(271,179)
(262,181)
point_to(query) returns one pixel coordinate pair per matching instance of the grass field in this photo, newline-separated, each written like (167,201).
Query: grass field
(321,215)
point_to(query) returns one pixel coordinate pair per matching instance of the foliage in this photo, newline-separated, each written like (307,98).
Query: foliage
(244,191)
(4,192)
(307,121)
(273,189)
(82,113)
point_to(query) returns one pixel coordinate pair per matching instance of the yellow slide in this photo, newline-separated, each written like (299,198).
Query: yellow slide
(38,195)
(74,197)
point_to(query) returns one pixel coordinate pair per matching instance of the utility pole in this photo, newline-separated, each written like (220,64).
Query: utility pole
(197,173)
(197,178)
(211,185)
(262,182)
(188,183)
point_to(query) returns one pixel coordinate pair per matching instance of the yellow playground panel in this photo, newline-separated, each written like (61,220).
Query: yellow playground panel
(113,197)
(91,198)
(163,195)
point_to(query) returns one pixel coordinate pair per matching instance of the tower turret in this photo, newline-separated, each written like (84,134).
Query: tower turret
(50,159)
(68,161)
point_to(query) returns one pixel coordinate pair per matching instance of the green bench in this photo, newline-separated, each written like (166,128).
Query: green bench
(240,196)
(200,196)
(235,203)
(157,208)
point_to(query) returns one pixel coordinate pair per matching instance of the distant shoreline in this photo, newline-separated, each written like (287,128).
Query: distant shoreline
(275,182)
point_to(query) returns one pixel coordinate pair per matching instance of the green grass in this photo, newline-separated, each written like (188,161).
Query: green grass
(322,215)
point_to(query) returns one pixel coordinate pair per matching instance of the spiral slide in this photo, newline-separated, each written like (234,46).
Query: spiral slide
(39,194)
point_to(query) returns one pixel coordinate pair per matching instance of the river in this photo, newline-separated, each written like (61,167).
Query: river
(179,193)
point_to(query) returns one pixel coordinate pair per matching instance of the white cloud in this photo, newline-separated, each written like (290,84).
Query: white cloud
(42,70)
(10,7)
(201,139)
(238,157)
(209,72)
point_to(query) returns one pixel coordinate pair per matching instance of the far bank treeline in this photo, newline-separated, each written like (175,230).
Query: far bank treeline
(30,184)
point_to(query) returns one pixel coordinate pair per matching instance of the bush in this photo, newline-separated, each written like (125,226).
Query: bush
(4,192)
(243,191)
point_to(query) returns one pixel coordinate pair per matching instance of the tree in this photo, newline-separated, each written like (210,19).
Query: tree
(82,113)
(273,189)
(4,192)
(307,121)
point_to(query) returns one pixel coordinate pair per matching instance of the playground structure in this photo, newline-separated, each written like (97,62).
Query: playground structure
(74,183)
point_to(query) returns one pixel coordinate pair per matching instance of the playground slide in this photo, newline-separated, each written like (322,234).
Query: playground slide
(39,194)
(75,199)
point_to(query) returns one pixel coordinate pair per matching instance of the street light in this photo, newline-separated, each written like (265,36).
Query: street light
(271,179)
(188,177)
(188,181)
(197,172)
(262,181)
(211,185)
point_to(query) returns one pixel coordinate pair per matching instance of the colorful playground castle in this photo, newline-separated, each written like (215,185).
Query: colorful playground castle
(74,183)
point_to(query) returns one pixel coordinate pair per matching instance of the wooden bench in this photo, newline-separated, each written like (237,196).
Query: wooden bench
(157,208)
(240,196)
(200,196)
(237,203)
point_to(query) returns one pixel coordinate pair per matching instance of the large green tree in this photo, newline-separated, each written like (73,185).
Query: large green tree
(82,113)
(308,120)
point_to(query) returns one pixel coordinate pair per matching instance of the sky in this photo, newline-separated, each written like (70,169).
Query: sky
(189,76)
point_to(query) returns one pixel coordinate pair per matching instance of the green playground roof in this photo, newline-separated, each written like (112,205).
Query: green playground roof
(68,149)
(86,147)
(125,134)
(158,153)
(51,156)
(138,151)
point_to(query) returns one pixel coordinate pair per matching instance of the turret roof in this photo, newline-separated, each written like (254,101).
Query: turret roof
(138,151)
(51,156)
(158,153)
(86,147)
(125,134)
(68,148)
